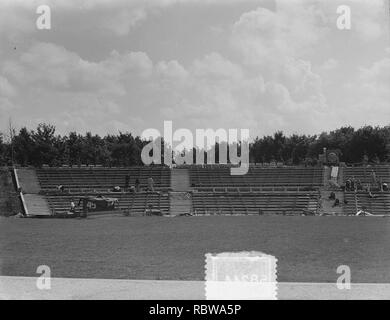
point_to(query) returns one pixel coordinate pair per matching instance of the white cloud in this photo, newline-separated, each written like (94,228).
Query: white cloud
(122,22)
(274,72)
(264,36)
(212,91)
(6,89)
(5,105)
(114,3)
(17,17)
(378,73)
(373,87)
(56,68)
(370,18)
(329,64)
(216,66)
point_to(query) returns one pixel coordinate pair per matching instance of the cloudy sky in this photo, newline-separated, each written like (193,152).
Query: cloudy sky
(129,65)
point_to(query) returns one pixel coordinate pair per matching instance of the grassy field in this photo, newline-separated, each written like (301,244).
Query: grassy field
(9,202)
(308,249)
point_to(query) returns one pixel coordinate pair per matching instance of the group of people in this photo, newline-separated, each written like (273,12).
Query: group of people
(135,188)
(336,202)
(352,184)
(137,185)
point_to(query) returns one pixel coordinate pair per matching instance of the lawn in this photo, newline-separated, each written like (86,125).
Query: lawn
(308,249)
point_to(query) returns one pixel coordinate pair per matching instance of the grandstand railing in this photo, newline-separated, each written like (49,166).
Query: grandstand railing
(20,191)
(272,188)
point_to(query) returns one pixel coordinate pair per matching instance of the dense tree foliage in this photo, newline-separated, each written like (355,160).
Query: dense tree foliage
(44,146)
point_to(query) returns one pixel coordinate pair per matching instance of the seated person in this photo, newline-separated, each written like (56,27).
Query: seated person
(336,203)
(72,206)
(332,196)
(137,185)
(116,189)
(348,185)
(385,187)
(150,184)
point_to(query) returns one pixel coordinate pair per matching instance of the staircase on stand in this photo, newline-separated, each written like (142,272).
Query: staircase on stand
(313,205)
(180,198)
(326,176)
(327,204)
(340,180)
(28,180)
(35,204)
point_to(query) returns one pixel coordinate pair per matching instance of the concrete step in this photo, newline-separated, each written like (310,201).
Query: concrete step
(180,203)
(312,205)
(28,180)
(340,180)
(180,179)
(327,204)
(326,176)
(36,205)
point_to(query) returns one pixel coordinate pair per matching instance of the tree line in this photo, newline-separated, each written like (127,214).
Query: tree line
(44,146)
